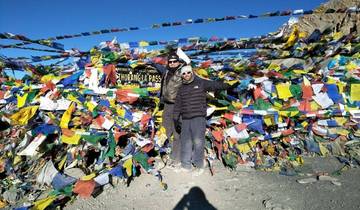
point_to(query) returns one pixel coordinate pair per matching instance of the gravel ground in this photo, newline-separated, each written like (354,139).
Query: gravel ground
(243,189)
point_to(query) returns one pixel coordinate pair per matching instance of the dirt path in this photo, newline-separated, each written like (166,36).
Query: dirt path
(240,189)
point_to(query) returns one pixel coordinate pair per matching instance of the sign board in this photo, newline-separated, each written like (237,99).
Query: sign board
(129,75)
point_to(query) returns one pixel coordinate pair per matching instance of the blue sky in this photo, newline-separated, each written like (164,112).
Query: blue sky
(43,18)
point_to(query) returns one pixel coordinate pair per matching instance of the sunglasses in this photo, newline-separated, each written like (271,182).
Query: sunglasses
(174,61)
(185,73)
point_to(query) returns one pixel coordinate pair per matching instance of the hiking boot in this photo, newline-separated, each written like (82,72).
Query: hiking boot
(182,170)
(173,164)
(198,172)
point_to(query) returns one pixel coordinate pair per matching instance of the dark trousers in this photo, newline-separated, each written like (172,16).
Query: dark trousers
(192,139)
(168,123)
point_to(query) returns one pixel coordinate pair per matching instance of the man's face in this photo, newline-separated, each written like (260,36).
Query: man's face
(173,63)
(187,75)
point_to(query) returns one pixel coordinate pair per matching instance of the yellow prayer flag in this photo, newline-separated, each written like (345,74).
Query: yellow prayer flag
(153,89)
(52,78)
(112,103)
(162,130)
(355,92)
(221,75)
(231,82)
(323,150)
(17,159)
(43,203)
(46,78)
(342,132)
(157,105)
(338,35)
(288,113)
(283,91)
(73,99)
(285,53)
(159,113)
(21,100)
(26,87)
(129,86)
(277,105)
(268,120)
(236,104)
(202,72)
(300,160)
(128,166)
(65,119)
(246,147)
(62,163)
(143,44)
(274,66)
(18,83)
(351,66)
(304,124)
(51,115)
(293,37)
(221,108)
(71,139)
(331,80)
(96,59)
(341,86)
(88,177)
(264,143)
(303,34)
(134,65)
(300,71)
(23,115)
(314,106)
(90,105)
(121,112)
(82,86)
(340,120)
(158,116)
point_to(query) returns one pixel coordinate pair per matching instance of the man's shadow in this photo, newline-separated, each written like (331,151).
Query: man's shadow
(194,200)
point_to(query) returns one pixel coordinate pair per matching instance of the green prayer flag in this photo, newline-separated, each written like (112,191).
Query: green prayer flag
(93,139)
(31,96)
(230,159)
(261,104)
(296,91)
(112,146)
(142,159)
(67,191)
(141,91)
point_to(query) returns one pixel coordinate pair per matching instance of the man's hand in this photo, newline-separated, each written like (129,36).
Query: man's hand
(177,125)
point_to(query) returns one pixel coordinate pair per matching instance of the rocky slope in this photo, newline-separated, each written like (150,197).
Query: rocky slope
(337,21)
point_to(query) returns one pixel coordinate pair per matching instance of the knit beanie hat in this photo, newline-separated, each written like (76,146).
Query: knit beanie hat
(186,69)
(173,56)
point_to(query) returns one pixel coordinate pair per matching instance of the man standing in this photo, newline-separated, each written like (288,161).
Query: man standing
(190,105)
(170,83)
